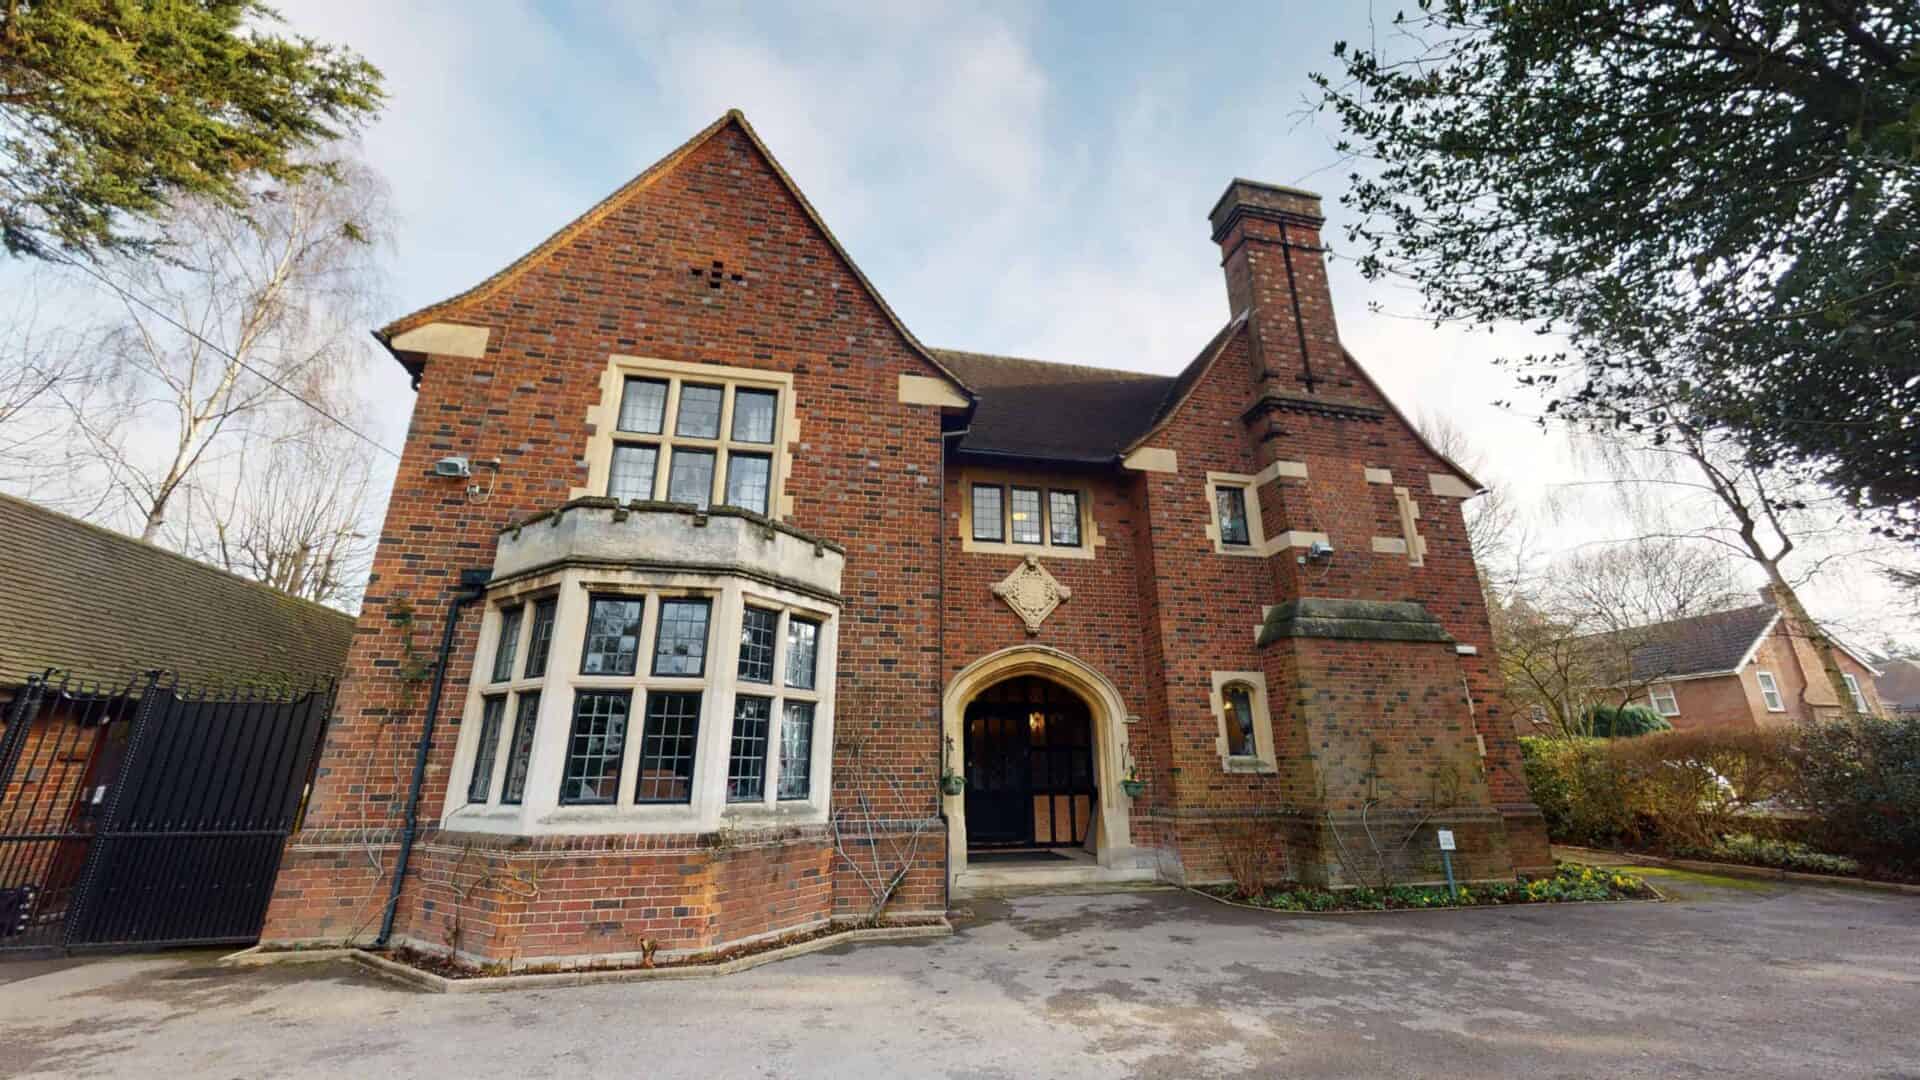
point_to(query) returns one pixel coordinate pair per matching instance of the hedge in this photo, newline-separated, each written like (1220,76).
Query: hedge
(1848,788)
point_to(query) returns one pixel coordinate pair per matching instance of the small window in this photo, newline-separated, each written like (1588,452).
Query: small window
(1663,700)
(757,628)
(508,645)
(540,643)
(666,748)
(803,644)
(691,478)
(1024,504)
(643,405)
(753,414)
(1063,518)
(480,784)
(1230,507)
(630,476)
(1770,691)
(699,412)
(520,751)
(747,764)
(1237,701)
(796,751)
(598,741)
(613,636)
(681,645)
(986,513)
(748,477)
(1853,688)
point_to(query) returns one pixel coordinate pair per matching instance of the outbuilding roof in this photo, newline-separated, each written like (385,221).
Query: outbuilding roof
(102,605)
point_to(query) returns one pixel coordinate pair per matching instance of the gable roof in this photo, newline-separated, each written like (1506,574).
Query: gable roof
(102,605)
(619,198)
(1714,644)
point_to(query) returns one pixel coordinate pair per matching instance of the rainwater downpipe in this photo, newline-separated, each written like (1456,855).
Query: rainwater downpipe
(472,588)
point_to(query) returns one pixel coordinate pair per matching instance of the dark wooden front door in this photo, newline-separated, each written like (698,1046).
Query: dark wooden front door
(1029,766)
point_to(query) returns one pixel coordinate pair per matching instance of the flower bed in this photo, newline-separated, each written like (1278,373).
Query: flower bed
(1571,882)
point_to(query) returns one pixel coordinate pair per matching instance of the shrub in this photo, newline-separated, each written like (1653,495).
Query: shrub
(1750,850)
(1252,855)
(1579,790)
(1860,781)
(1624,721)
(1663,790)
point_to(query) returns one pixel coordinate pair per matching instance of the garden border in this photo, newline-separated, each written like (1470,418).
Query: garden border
(1658,898)
(546,980)
(1739,870)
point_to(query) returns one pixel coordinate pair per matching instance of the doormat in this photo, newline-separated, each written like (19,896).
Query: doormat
(1013,856)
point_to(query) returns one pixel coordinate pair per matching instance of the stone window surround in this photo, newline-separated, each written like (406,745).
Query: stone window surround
(1263,760)
(1770,691)
(1090,536)
(1259,544)
(541,813)
(603,421)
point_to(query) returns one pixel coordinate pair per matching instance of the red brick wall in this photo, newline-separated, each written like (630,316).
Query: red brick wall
(863,473)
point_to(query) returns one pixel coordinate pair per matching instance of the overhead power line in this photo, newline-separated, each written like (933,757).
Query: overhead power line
(133,298)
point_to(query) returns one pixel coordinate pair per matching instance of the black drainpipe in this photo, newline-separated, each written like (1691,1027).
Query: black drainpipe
(472,587)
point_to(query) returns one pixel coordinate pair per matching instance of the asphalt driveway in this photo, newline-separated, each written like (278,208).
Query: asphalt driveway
(1732,978)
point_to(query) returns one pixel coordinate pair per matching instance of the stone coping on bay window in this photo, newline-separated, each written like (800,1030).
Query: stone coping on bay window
(722,539)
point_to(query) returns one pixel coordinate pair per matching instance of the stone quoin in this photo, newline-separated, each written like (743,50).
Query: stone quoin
(761,569)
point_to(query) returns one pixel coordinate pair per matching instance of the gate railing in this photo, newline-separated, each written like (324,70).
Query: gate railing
(147,816)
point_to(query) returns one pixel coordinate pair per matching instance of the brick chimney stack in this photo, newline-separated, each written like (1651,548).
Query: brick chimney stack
(1269,239)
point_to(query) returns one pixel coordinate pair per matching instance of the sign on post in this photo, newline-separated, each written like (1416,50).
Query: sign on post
(1446,859)
(1446,839)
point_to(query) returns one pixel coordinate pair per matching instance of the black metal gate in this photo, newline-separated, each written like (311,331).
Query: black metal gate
(147,816)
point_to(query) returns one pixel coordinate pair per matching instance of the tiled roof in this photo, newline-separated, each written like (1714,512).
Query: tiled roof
(1899,684)
(105,606)
(1701,645)
(1061,412)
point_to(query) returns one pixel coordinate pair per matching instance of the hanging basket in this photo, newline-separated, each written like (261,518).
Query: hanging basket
(1133,788)
(953,784)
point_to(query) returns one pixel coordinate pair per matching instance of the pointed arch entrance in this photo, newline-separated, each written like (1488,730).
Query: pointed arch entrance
(1008,688)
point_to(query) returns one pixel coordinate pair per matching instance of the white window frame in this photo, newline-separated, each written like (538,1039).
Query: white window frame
(540,811)
(1770,691)
(1263,759)
(1672,707)
(1853,688)
(605,422)
(1090,537)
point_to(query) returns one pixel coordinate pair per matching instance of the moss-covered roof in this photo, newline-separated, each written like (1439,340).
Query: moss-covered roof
(105,606)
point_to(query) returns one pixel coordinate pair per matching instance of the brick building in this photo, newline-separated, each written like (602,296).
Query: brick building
(787,614)
(1741,668)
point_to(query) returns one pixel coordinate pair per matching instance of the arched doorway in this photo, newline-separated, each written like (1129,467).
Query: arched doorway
(1106,829)
(1029,766)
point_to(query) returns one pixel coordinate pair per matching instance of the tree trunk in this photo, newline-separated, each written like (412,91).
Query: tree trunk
(1802,625)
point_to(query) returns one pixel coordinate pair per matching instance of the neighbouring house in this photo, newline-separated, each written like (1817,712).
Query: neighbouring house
(104,607)
(1898,685)
(93,612)
(1741,668)
(775,616)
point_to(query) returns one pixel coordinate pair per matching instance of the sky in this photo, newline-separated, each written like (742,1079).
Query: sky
(1023,179)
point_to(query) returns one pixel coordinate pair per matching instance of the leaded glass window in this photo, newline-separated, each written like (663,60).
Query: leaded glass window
(699,412)
(480,784)
(594,748)
(508,644)
(803,645)
(691,477)
(1063,517)
(1230,507)
(667,747)
(1237,701)
(643,405)
(1024,513)
(753,415)
(757,629)
(630,475)
(986,513)
(681,644)
(796,751)
(747,763)
(613,635)
(520,751)
(540,643)
(748,479)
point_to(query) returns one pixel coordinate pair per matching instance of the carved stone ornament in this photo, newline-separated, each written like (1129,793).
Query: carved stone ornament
(1031,592)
